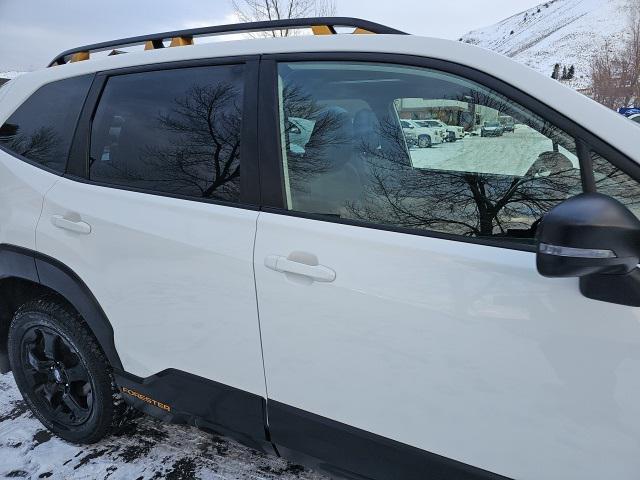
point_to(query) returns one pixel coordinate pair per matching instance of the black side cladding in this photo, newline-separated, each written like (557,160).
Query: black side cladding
(348,452)
(13,263)
(26,264)
(180,397)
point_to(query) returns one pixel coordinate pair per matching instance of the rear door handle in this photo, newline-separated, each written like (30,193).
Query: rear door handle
(319,273)
(71,225)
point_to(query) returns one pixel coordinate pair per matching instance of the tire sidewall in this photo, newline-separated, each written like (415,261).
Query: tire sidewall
(84,433)
(424,141)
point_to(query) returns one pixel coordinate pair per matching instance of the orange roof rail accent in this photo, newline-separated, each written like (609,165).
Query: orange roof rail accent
(178,38)
(362,31)
(181,41)
(79,57)
(322,30)
(153,44)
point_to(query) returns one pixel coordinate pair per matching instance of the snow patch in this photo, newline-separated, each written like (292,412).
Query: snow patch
(10,75)
(568,32)
(147,449)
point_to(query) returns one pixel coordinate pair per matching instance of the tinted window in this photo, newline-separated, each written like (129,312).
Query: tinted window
(612,181)
(41,129)
(369,159)
(172,131)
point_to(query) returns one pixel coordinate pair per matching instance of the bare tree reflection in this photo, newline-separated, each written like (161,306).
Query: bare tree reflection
(469,204)
(612,181)
(206,124)
(198,147)
(464,203)
(382,187)
(329,139)
(362,170)
(43,145)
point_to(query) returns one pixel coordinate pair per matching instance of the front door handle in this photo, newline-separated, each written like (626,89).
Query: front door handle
(76,226)
(319,273)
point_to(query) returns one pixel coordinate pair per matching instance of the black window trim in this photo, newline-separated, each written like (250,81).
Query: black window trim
(272,177)
(78,164)
(75,127)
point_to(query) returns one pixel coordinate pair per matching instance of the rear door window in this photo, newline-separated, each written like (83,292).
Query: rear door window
(174,132)
(41,129)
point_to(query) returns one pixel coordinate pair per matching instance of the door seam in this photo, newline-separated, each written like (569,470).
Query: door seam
(44,199)
(255,289)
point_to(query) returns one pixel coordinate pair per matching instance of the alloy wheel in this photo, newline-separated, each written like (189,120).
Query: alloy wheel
(58,377)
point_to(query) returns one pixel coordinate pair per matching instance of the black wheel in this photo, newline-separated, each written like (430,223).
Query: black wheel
(424,141)
(62,373)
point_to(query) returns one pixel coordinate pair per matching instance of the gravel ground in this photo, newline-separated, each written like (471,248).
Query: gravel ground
(149,449)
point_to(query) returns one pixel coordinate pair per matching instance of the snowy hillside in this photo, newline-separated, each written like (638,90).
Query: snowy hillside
(557,31)
(10,75)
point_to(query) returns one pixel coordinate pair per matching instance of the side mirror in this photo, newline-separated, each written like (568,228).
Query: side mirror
(590,234)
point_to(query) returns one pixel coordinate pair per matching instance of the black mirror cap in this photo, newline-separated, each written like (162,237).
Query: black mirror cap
(588,234)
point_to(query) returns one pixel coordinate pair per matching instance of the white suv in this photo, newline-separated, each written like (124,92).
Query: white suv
(378,311)
(421,135)
(453,133)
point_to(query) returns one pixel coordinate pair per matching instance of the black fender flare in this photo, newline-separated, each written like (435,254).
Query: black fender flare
(22,263)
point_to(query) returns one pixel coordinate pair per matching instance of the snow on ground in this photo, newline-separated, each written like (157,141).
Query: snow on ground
(10,75)
(149,449)
(557,31)
(512,154)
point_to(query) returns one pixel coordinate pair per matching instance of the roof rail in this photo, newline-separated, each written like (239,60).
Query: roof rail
(319,25)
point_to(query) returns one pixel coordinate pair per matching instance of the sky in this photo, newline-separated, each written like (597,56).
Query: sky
(32,32)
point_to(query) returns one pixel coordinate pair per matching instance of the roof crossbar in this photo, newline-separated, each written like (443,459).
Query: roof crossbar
(319,25)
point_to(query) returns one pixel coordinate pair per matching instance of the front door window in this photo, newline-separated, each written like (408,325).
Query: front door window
(419,149)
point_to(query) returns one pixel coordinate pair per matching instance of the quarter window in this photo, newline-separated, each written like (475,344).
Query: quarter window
(173,131)
(418,149)
(41,129)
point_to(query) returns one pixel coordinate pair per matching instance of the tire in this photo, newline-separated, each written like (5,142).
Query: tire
(62,373)
(424,141)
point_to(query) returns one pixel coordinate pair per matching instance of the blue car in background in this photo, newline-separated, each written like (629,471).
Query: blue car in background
(632,113)
(629,111)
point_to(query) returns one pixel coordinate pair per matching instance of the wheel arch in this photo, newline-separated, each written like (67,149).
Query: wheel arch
(26,274)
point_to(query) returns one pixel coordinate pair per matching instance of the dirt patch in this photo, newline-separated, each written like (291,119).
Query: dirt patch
(134,452)
(17,474)
(91,456)
(183,469)
(18,409)
(41,436)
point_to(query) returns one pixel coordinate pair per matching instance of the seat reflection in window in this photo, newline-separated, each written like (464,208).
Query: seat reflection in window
(174,131)
(364,159)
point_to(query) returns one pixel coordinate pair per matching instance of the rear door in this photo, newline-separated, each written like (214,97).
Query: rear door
(404,324)
(158,217)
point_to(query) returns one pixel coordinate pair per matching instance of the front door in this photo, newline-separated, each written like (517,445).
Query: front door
(398,291)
